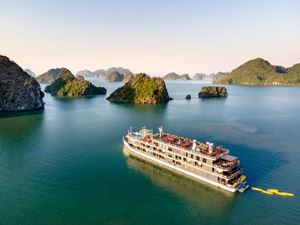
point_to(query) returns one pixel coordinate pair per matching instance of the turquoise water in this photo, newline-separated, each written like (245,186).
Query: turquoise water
(65,165)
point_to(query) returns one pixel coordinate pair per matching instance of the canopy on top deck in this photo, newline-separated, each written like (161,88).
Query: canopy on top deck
(228,158)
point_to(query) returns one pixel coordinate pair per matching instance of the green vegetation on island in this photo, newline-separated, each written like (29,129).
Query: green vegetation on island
(142,89)
(18,90)
(67,85)
(212,91)
(261,72)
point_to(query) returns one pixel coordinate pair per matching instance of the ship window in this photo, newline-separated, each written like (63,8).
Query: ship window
(204,160)
(198,158)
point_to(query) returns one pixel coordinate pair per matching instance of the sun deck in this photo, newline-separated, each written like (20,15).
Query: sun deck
(187,144)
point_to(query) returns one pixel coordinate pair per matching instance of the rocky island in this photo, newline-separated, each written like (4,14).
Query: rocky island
(18,90)
(260,72)
(212,91)
(29,72)
(175,76)
(188,97)
(67,85)
(142,89)
(114,76)
(49,76)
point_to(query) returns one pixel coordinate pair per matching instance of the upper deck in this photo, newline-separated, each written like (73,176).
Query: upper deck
(205,149)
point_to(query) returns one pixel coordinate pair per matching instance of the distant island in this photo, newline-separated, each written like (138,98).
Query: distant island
(212,92)
(66,84)
(112,74)
(142,89)
(29,72)
(207,77)
(115,76)
(175,76)
(197,76)
(18,90)
(260,72)
(49,76)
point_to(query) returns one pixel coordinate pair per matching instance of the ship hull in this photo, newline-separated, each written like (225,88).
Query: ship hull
(128,150)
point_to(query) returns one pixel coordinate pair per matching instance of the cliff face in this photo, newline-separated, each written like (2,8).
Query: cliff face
(67,85)
(127,77)
(18,90)
(212,91)
(115,77)
(142,89)
(199,76)
(261,72)
(49,76)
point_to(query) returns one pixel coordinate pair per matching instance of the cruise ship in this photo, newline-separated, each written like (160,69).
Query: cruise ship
(203,162)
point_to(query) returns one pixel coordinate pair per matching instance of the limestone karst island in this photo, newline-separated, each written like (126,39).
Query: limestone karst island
(127,112)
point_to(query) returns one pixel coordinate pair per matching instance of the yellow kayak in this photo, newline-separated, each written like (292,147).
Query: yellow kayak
(235,184)
(285,194)
(256,189)
(242,178)
(267,192)
(273,190)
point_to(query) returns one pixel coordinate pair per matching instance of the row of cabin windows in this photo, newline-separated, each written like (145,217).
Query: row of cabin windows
(158,155)
(176,162)
(179,158)
(204,160)
(197,157)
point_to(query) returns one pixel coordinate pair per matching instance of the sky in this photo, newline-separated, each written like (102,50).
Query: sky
(154,36)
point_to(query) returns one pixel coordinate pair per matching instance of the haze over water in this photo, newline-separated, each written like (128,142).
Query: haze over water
(65,165)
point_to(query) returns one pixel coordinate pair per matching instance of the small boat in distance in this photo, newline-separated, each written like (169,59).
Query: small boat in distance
(202,162)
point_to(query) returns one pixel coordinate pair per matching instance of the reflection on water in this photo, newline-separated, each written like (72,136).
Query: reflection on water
(206,197)
(17,124)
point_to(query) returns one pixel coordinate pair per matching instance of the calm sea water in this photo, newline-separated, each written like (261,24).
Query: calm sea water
(65,165)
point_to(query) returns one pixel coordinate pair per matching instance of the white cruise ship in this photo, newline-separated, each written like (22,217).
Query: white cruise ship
(204,162)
